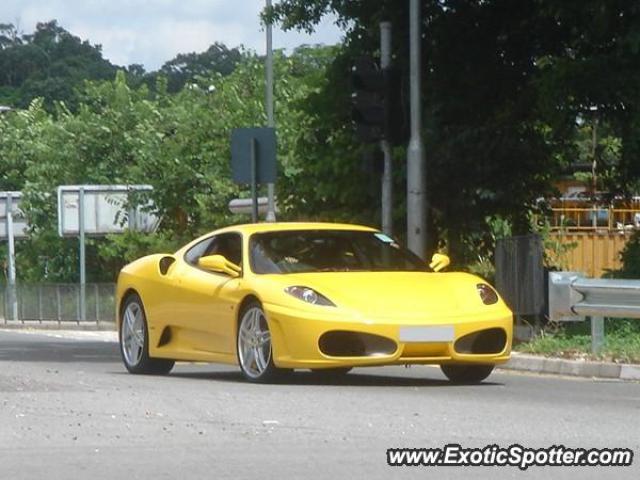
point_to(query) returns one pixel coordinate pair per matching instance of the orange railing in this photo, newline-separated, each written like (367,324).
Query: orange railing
(595,219)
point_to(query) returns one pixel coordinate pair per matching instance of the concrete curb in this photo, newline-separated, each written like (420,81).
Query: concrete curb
(576,368)
(35,325)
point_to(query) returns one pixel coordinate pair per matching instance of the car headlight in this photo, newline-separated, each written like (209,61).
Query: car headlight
(487,294)
(309,295)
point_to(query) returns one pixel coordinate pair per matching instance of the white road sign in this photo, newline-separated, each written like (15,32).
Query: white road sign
(105,210)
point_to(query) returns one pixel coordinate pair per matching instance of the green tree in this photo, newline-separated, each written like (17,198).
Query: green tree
(50,63)
(187,67)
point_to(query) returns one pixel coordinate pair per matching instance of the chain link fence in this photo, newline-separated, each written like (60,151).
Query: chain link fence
(60,302)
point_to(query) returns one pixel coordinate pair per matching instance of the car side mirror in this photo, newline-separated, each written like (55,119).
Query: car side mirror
(439,261)
(219,264)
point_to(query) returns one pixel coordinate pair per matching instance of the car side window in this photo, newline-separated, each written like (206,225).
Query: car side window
(194,253)
(228,245)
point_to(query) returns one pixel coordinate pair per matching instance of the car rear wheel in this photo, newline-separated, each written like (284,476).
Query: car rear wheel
(254,346)
(467,374)
(134,341)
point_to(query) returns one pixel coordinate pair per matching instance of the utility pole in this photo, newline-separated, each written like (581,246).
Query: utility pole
(385,145)
(271,188)
(416,164)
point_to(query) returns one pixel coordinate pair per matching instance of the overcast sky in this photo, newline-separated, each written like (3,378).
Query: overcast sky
(151,32)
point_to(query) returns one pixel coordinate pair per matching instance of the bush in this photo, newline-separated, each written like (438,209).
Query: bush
(630,257)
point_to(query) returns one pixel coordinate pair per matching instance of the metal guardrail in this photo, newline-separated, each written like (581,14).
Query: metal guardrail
(59,303)
(573,297)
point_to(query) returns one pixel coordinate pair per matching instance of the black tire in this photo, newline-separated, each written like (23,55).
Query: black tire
(466,374)
(138,361)
(328,373)
(256,365)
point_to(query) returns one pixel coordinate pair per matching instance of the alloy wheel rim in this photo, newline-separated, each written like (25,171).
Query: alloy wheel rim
(132,334)
(254,343)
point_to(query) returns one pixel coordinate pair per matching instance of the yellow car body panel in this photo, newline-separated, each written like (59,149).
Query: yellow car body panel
(192,314)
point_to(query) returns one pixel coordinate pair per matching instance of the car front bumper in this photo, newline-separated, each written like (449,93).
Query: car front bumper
(296,338)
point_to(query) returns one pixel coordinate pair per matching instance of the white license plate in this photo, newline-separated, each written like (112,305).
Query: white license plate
(438,333)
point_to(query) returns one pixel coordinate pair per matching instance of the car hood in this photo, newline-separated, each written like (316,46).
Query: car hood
(392,294)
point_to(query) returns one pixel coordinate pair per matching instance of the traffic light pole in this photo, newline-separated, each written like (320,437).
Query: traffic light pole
(416,164)
(385,145)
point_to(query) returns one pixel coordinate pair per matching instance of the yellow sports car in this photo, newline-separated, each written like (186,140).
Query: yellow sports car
(273,297)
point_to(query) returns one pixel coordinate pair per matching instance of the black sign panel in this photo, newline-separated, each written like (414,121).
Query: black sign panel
(265,152)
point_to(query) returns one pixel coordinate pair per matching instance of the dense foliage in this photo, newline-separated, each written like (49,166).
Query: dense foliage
(630,257)
(187,67)
(53,64)
(49,63)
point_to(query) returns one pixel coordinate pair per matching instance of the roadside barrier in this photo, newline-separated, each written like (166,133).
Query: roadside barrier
(572,297)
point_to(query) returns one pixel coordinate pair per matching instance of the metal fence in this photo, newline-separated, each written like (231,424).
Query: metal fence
(59,302)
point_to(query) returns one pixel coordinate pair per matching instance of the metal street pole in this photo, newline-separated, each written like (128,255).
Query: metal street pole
(254,181)
(271,188)
(11,260)
(83,274)
(416,164)
(385,145)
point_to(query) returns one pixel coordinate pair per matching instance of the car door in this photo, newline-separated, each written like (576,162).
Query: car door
(205,305)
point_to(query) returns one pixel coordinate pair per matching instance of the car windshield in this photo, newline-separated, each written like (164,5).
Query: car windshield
(303,251)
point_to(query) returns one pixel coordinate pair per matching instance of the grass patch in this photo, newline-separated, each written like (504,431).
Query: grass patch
(573,340)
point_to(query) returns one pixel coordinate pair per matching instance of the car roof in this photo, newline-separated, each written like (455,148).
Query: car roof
(285,226)
(250,228)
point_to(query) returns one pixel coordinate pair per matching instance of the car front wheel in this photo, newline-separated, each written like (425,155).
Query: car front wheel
(466,374)
(254,346)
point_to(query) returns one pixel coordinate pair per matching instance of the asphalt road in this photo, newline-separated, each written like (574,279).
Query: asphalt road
(68,410)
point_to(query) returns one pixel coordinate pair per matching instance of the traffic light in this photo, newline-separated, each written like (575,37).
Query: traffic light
(376,102)
(367,100)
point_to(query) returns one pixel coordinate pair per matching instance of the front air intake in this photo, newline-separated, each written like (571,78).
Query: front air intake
(490,341)
(340,343)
